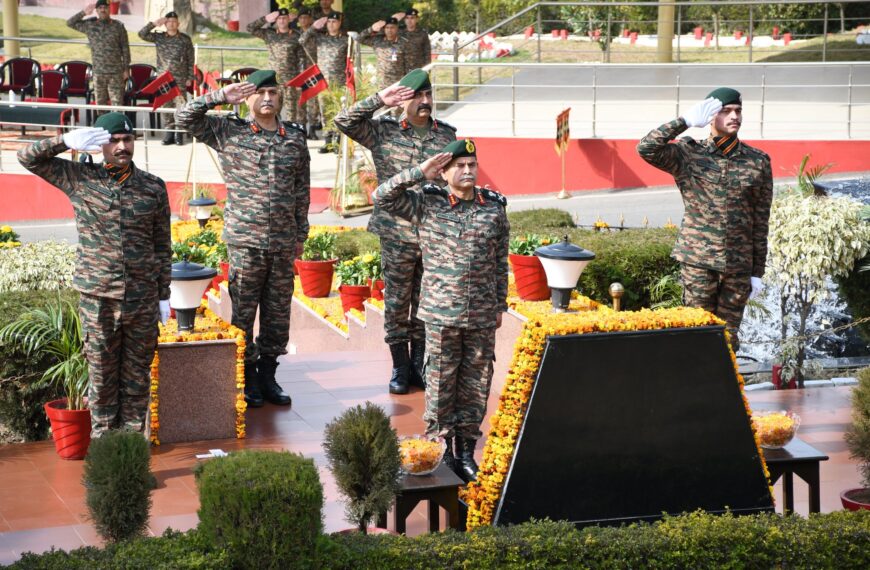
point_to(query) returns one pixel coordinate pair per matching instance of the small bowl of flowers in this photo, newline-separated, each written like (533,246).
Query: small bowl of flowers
(421,454)
(775,429)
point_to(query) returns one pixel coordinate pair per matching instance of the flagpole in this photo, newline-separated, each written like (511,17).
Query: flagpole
(563,194)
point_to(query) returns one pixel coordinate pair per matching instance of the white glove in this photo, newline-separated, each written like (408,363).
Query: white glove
(87,139)
(701,114)
(757,287)
(164,311)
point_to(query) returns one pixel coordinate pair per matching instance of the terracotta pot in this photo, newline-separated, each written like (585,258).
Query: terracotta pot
(315,276)
(851,503)
(114,7)
(776,378)
(71,429)
(233,25)
(377,289)
(530,277)
(353,296)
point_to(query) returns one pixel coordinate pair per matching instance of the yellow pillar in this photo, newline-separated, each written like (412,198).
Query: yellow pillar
(10,28)
(665,31)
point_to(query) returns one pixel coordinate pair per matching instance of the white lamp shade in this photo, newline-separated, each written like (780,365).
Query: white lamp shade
(203,212)
(187,294)
(563,273)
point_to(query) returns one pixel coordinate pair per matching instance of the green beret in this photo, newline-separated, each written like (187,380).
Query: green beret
(101,3)
(460,148)
(726,95)
(416,79)
(262,78)
(115,123)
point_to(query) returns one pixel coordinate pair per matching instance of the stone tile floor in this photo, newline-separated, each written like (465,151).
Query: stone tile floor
(42,499)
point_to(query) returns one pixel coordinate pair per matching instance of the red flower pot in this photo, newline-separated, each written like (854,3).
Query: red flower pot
(71,429)
(114,7)
(530,277)
(852,503)
(315,276)
(233,25)
(223,275)
(377,289)
(353,296)
(776,378)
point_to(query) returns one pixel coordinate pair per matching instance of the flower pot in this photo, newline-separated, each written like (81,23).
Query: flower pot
(776,378)
(233,25)
(530,277)
(114,7)
(315,276)
(377,289)
(71,429)
(856,499)
(353,296)
(223,275)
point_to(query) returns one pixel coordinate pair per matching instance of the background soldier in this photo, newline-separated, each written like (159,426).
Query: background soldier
(727,188)
(390,49)
(419,48)
(124,263)
(397,145)
(331,50)
(174,54)
(464,232)
(267,168)
(283,44)
(110,51)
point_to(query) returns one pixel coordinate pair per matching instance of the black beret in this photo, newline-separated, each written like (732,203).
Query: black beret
(283,12)
(393,21)
(171,15)
(101,3)
(305,12)
(412,12)
(334,16)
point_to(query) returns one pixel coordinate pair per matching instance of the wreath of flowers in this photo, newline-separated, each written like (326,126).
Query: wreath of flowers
(482,496)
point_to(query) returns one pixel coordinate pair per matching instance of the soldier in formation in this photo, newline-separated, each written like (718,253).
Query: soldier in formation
(464,232)
(307,57)
(267,168)
(124,262)
(727,188)
(390,49)
(283,44)
(175,55)
(331,50)
(110,51)
(418,46)
(396,145)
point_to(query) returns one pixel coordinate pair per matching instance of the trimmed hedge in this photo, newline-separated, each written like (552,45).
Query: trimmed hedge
(835,540)
(540,221)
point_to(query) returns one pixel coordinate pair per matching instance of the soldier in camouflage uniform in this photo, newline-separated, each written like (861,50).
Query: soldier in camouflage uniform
(267,168)
(419,52)
(390,49)
(283,44)
(110,51)
(124,263)
(175,55)
(331,50)
(727,188)
(398,144)
(464,233)
(307,56)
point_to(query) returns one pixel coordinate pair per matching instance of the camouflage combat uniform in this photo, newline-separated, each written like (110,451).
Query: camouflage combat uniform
(110,52)
(723,239)
(268,192)
(123,269)
(392,56)
(419,49)
(465,280)
(307,57)
(330,52)
(395,146)
(284,53)
(175,55)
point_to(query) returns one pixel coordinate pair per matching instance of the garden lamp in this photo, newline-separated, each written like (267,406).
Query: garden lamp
(189,282)
(563,263)
(200,208)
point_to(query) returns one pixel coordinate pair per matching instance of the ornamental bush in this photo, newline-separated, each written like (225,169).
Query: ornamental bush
(42,265)
(540,221)
(264,508)
(351,243)
(855,289)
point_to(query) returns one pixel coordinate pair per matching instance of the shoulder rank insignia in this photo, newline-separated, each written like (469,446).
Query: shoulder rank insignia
(388,118)
(493,196)
(292,125)
(434,190)
(439,123)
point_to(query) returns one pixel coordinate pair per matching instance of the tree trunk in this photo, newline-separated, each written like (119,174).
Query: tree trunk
(804,312)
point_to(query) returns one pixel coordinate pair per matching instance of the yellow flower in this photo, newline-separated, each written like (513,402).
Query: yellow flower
(5,229)
(368,258)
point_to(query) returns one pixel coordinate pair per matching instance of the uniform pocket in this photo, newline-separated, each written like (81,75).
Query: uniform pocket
(97,197)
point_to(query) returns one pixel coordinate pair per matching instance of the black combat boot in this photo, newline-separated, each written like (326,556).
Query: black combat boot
(272,392)
(466,468)
(418,352)
(253,394)
(449,459)
(168,138)
(312,133)
(179,139)
(399,378)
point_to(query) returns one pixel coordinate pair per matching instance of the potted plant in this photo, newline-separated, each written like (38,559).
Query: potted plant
(315,268)
(363,454)
(529,275)
(353,287)
(858,441)
(53,333)
(374,274)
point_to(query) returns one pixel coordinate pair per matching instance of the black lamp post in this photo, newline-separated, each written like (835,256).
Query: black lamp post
(563,263)
(189,281)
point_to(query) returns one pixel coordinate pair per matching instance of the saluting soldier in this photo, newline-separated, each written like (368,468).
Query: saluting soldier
(110,51)
(727,189)
(398,144)
(124,262)
(419,47)
(175,55)
(464,233)
(283,44)
(331,54)
(390,49)
(267,168)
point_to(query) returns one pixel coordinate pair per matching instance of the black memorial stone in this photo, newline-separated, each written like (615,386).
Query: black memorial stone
(626,426)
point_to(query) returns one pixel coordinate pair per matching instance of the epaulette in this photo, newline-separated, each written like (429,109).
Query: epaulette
(236,119)
(434,189)
(689,141)
(389,118)
(292,125)
(493,196)
(441,123)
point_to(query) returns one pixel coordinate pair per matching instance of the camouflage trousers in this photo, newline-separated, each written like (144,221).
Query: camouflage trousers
(290,110)
(176,103)
(402,266)
(264,279)
(312,111)
(109,87)
(723,294)
(458,374)
(119,342)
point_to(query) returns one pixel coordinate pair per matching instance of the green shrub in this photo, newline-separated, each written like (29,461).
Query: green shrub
(46,265)
(118,483)
(541,221)
(855,289)
(857,435)
(351,243)
(265,508)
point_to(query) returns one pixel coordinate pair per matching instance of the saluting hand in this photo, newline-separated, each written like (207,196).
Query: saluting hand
(395,94)
(272,16)
(90,8)
(238,92)
(378,26)
(399,16)
(433,166)
(88,139)
(701,114)
(159,22)
(319,23)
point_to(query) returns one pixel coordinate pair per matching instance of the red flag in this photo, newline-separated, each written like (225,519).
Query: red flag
(311,81)
(211,78)
(563,132)
(163,88)
(350,79)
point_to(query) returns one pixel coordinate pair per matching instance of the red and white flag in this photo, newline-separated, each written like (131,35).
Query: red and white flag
(310,81)
(163,88)
(563,132)
(350,79)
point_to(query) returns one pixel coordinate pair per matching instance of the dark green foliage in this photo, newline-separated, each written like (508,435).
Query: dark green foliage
(363,454)
(545,221)
(858,433)
(351,243)
(20,403)
(118,482)
(855,288)
(360,14)
(265,508)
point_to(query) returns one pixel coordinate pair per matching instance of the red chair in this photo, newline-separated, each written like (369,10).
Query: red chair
(51,87)
(79,75)
(141,74)
(19,76)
